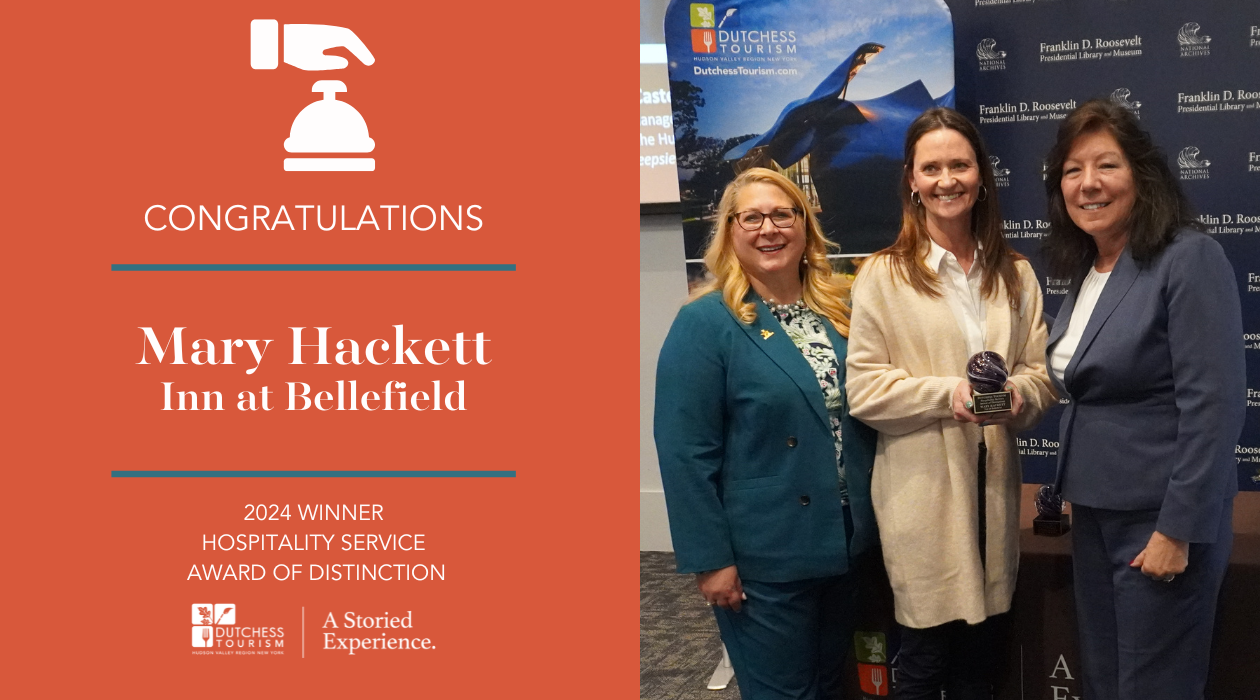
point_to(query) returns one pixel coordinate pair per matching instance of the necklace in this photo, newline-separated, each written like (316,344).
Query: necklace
(797,305)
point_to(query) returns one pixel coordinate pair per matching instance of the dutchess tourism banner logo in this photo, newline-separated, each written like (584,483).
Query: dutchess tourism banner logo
(723,35)
(703,38)
(874,675)
(214,631)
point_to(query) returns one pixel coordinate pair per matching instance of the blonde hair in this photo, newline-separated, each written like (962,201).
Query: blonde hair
(822,290)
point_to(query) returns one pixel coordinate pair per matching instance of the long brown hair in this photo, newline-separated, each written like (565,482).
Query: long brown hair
(1159,207)
(996,258)
(821,289)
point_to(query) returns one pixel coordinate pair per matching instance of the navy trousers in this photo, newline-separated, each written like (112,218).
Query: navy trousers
(1143,639)
(789,640)
(956,656)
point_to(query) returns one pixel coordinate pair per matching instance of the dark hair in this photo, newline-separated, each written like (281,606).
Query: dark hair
(1159,207)
(997,259)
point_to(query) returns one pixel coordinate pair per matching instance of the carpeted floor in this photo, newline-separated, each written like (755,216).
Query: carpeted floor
(678,639)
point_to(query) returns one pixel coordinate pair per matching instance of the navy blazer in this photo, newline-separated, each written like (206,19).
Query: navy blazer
(747,454)
(1157,388)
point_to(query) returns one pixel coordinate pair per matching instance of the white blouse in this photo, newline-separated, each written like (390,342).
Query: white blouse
(1086,299)
(962,291)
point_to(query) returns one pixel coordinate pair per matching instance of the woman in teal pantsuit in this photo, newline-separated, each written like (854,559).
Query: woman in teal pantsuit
(767,477)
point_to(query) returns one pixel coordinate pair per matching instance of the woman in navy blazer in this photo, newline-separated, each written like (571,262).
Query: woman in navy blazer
(767,477)
(1148,348)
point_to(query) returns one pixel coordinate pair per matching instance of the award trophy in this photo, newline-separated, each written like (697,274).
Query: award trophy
(986,371)
(1051,521)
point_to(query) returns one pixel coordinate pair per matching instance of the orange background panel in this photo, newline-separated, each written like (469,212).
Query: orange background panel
(113,108)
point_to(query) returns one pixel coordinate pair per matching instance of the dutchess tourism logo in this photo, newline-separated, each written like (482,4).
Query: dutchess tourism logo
(1192,167)
(1120,96)
(723,35)
(214,631)
(990,58)
(207,616)
(1191,43)
(703,22)
(874,675)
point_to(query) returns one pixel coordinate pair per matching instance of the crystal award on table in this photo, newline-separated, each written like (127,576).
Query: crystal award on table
(1051,521)
(986,372)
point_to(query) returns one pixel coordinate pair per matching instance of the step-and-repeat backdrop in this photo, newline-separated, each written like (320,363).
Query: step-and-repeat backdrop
(824,91)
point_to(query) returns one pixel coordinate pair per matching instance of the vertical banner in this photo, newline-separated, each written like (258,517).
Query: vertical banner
(821,91)
(307,395)
(1190,72)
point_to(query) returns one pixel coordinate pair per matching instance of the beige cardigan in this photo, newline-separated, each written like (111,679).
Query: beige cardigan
(906,356)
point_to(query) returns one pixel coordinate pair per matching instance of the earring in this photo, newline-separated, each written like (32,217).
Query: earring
(984,194)
(915,199)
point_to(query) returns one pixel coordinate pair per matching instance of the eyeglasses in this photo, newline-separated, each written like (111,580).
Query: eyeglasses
(752,220)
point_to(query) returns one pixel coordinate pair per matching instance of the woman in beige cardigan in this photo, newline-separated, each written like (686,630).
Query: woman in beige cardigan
(921,308)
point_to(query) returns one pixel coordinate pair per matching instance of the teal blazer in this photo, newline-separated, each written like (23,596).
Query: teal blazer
(746,451)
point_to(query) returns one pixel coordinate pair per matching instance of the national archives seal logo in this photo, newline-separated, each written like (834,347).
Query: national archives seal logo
(990,58)
(1191,43)
(1189,35)
(1120,96)
(1189,158)
(1192,168)
(1001,176)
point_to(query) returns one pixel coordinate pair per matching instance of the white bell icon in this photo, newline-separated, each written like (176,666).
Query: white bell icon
(329,126)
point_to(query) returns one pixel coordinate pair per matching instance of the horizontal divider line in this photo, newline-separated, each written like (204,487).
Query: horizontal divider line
(306,473)
(312,267)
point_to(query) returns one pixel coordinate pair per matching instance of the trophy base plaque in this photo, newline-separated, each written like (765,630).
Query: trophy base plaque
(1052,525)
(991,403)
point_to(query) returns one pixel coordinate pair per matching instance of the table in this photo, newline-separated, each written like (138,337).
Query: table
(1042,662)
